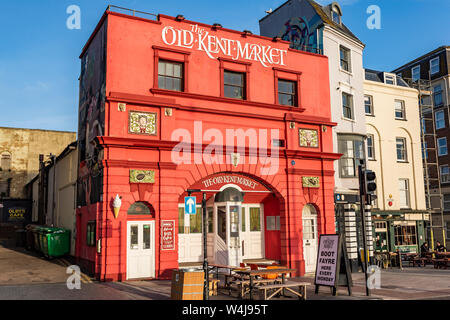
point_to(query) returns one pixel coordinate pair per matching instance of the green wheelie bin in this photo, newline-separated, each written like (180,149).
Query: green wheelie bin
(58,243)
(43,238)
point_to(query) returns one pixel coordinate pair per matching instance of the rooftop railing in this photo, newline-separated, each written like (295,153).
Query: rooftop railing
(131,12)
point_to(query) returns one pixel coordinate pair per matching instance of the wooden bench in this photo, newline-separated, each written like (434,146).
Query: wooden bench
(418,260)
(243,286)
(440,263)
(278,287)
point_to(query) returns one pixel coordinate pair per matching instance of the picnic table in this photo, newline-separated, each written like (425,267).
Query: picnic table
(229,274)
(252,274)
(441,260)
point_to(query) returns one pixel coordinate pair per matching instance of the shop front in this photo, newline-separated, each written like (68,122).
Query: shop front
(396,230)
(243,222)
(242,118)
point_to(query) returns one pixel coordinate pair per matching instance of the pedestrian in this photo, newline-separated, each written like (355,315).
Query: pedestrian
(424,249)
(440,247)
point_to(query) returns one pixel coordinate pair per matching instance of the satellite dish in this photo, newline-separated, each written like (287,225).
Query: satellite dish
(269,11)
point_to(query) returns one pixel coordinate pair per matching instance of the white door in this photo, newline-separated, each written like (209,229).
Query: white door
(252,236)
(227,247)
(140,249)
(190,239)
(234,234)
(310,237)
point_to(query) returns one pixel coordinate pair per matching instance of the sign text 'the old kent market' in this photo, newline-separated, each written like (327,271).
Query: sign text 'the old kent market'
(200,39)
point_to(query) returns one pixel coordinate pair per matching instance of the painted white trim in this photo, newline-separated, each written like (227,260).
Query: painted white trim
(230,185)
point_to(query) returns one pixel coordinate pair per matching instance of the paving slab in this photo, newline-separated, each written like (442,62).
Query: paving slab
(20,266)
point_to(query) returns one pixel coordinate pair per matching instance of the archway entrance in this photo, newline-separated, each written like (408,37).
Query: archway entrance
(236,224)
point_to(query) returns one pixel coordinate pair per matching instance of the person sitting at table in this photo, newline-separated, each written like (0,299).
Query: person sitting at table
(440,247)
(424,249)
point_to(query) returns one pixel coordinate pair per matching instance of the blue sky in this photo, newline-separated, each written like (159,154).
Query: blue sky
(39,65)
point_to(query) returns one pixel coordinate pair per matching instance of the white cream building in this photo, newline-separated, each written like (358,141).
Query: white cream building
(394,153)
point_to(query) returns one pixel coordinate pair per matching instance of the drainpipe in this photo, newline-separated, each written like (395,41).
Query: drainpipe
(53,157)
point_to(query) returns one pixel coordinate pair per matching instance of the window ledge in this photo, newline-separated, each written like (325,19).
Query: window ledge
(370,115)
(401,119)
(345,71)
(400,161)
(348,119)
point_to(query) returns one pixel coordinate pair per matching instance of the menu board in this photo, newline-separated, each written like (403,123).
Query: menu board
(168,235)
(327,260)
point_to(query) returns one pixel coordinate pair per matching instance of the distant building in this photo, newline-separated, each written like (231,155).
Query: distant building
(430,73)
(57,205)
(20,150)
(394,154)
(320,29)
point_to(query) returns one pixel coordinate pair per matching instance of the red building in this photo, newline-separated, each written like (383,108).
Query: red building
(168,105)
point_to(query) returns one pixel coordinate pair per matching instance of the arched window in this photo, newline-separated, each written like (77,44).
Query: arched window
(309,210)
(6,161)
(141,209)
(336,13)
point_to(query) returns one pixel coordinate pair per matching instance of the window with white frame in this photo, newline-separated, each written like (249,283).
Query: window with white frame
(345,58)
(401,149)
(390,78)
(368,105)
(437,95)
(415,73)
(400,113)
(403,185)
(370,147)
(347,105)
(442,147)
(444,170)
(434,65)
(336,15)
(352,148)
(440,120)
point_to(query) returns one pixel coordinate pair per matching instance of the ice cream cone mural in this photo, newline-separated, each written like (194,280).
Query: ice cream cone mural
(116,205)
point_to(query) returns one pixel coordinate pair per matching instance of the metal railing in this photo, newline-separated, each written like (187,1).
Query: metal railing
(134,13)
(309,49)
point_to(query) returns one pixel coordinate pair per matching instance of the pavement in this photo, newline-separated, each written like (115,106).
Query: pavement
(28,276)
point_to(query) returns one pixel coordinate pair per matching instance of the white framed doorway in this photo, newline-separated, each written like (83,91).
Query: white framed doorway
(310,237)
(140,249)
(253,226)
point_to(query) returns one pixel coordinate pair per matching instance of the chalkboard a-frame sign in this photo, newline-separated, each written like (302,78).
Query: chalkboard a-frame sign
(333,268)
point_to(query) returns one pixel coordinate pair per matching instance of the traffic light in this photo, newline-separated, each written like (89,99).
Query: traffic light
(370,185)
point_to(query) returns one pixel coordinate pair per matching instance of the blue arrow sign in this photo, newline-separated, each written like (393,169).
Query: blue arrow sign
(190,205)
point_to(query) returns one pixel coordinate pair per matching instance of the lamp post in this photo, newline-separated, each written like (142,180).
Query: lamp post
(362,195)
(205,242)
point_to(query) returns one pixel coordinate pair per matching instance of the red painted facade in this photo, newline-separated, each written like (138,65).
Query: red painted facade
(132,48)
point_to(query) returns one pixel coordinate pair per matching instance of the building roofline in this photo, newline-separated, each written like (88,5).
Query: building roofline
(71,146)
(421,58)
(279,7)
